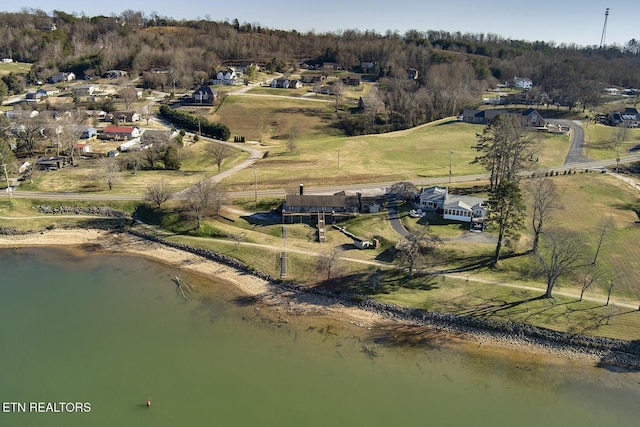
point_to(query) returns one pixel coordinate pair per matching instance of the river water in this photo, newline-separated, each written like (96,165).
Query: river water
(107,332)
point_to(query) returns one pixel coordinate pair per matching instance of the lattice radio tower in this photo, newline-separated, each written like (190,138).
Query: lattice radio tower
(604,28)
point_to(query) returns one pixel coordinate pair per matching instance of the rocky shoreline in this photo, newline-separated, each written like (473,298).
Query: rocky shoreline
(610,352)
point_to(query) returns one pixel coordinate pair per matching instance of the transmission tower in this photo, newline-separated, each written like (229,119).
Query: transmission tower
(604,28)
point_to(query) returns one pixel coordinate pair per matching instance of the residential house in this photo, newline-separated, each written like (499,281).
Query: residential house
(330,66)
(85,90)
(522,83)
(83,148)
(452,206)
(628,118)
(21,114)
(286,84)
(533,119)
(310,208)
(204,95)
(87,132)
(352,80)
(51,163)
(7,60)
(310,78)
(33,97)
(123,116)
(159,70)
(483,117)
(48,91)
(115,74)
(611,91)
(120,133)
(62,77)
(367,66)
(229,77)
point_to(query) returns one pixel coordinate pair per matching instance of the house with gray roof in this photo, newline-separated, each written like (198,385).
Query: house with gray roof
(452,207)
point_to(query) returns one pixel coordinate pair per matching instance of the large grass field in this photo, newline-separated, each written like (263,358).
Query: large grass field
(601,140)
(14,67)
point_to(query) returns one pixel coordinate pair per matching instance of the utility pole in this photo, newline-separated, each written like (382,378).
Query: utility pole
(338,158)
(6,177)
(604,28)
(255,184)
(450,152)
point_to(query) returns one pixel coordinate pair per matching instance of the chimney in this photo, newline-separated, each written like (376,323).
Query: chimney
(301,189)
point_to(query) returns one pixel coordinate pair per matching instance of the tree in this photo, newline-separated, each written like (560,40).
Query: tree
(604,230)
(109,170)
(204,196)
(506,211)
(293,135)
(326,263)
(545,201)
(157,193)
(217,153)
(586,280)
(129,95)
(561,252)
(29,133)
(505,146)
(338,91)
(146,113)
(415,246)
(171,158)
(404,190)
(66,134)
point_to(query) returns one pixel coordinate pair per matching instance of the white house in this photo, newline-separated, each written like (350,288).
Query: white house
(62,77)
(452,206)
(522,83)
(229,77)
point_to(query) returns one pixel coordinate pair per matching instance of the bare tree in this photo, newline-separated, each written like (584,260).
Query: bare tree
(203,197)
(29,132)
(293,135)
(561,252)
(612,282)
(604,230)
(327,263)
(67,134)
(404,190)
(109,170)
(129,95)
(157,193)
(586,280)
(217,153)
(545,201)
(338,92)
(415,246)
(146,113)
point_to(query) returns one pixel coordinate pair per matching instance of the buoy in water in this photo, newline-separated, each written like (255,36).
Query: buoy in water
(148,401)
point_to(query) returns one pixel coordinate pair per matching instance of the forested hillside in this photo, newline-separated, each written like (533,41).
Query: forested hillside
(452,68)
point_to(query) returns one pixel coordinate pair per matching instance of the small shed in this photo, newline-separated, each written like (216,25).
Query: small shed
(361,242)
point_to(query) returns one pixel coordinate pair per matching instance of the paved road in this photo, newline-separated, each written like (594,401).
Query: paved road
(577,141)
(396,224)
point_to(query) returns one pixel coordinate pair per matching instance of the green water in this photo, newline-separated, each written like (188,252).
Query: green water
(111,331)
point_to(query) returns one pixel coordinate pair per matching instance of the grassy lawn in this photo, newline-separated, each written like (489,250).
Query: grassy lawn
(600,141)
(14,67)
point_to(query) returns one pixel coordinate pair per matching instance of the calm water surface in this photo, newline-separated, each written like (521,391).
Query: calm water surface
(112,331)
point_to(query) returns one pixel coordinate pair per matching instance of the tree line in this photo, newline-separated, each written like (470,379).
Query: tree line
(451,69)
